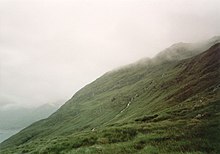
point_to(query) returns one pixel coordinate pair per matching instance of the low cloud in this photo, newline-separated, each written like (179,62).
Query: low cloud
(51,49)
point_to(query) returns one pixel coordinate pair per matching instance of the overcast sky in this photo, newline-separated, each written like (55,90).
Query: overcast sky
(49,49)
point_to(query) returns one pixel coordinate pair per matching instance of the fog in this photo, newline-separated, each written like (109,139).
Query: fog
(49,49)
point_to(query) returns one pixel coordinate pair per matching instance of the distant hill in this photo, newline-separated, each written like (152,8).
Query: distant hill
(168,104)
(20,117)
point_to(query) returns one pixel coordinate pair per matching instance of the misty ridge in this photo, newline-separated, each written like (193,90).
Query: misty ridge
(159,105)
(12,117)
(64,50)
(175,52)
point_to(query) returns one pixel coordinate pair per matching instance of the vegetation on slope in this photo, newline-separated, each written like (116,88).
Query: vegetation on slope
(168,108)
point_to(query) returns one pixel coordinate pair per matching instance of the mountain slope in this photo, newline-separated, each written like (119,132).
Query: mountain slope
(144,107)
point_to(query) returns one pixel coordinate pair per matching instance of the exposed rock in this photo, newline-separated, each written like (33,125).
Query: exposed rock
(199,116)
(136,95)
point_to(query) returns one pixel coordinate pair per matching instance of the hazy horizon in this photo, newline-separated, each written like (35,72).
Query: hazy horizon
(51,49)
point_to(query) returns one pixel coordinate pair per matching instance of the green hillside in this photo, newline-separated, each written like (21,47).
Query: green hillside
(160,105)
